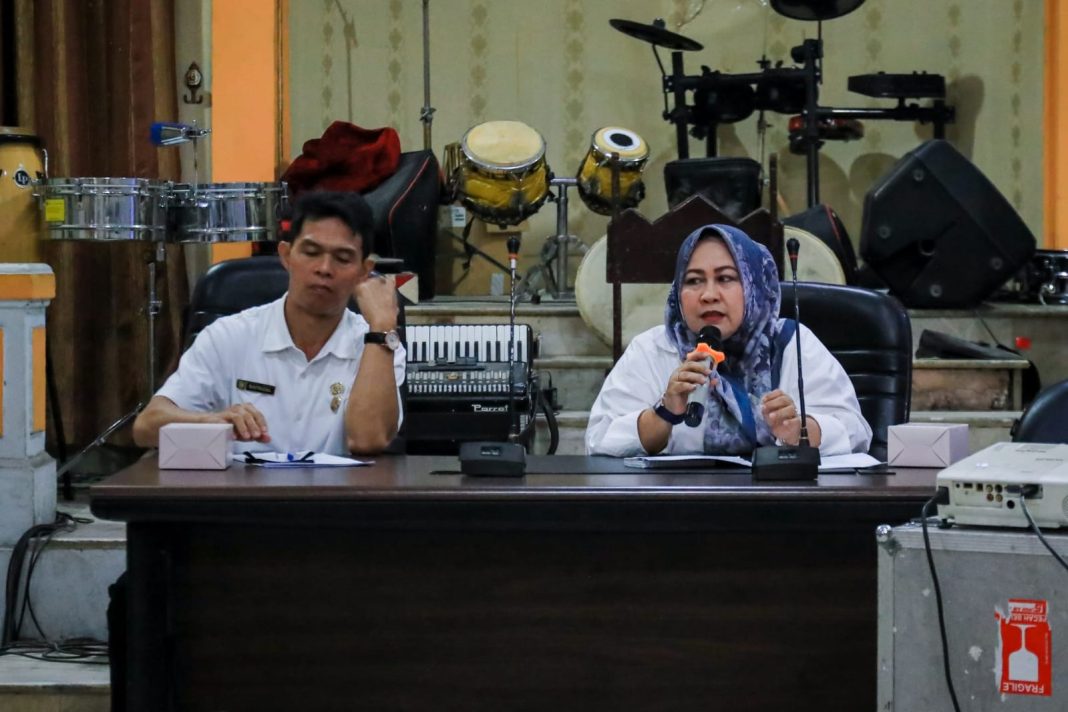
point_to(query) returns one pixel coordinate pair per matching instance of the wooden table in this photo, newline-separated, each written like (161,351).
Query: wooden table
(583,586)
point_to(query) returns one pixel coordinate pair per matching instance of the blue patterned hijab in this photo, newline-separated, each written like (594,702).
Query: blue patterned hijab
(750,350)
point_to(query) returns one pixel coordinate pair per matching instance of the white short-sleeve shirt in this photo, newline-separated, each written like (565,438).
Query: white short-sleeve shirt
(244,357)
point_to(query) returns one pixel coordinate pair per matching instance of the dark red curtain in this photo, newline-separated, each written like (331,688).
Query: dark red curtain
(93,75)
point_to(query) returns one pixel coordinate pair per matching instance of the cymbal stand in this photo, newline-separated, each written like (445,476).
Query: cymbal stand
(152,311)
(555,253)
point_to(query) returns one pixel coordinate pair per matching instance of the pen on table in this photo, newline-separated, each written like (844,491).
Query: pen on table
(290,457)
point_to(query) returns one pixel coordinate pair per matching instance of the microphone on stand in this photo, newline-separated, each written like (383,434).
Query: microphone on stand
(709,343)
(790,462)
(501,459)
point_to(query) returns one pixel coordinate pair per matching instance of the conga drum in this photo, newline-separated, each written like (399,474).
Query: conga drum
(21,163)
(503,178)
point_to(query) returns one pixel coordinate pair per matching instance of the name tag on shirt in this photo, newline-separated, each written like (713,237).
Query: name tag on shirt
(243,385)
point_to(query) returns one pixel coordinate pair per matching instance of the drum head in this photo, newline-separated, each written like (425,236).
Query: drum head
(643,304)
(503,144)
(629,145)
(816,261)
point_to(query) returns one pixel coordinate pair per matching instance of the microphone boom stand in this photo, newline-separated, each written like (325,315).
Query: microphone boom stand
(501,459)
(790,462)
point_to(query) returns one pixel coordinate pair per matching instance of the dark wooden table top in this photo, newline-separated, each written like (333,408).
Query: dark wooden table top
(569,485)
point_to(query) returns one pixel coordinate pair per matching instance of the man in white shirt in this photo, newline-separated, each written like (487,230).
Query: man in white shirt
(303,372)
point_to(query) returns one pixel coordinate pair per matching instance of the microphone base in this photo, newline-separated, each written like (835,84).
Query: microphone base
(786,463)
(493,459)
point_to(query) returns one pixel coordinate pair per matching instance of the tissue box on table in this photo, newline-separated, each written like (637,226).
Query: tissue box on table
(195,446)
(926,444)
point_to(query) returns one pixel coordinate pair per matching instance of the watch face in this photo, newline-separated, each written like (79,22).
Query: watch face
(392,340)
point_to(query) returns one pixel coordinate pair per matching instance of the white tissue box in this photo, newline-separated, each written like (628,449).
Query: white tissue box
(926,444)
(195,446)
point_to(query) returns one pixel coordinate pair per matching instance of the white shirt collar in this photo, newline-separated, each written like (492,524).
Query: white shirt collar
(342,343)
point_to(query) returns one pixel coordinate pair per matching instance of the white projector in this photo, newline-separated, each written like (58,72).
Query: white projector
(985,488)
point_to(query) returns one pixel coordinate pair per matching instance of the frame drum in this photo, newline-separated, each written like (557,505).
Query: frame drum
(643,304)
(106,209)
(595,172)
(230,212)
(20,223)
(503,177)
(816,262)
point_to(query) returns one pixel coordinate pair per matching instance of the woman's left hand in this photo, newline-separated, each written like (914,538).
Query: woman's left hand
(781,415)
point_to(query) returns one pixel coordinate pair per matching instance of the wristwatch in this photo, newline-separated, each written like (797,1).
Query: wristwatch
(662,410)
(390,339)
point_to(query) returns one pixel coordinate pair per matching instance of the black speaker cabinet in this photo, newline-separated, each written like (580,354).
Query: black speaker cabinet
(939,233)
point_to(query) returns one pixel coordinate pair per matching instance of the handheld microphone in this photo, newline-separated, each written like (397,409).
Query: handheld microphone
(163,133)
(800,462)
(709,344)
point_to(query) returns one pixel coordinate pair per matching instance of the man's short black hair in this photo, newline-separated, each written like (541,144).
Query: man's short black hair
(349,208)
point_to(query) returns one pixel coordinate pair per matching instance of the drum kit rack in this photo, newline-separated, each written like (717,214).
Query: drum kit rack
(499,173)
(161,213)
(720,98)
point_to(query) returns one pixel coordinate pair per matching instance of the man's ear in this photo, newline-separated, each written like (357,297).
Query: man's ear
(368,266)
(284,248)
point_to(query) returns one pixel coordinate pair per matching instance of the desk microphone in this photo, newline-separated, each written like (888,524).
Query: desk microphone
(710,344)
(501,459)
(786,462)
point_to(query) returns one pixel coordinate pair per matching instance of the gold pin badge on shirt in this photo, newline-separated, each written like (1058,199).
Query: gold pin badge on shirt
(336,390)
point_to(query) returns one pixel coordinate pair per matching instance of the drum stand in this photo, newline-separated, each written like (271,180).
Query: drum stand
(555,252)
(152,311)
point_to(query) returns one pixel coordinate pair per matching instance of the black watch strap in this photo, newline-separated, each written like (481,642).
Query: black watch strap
(661,410)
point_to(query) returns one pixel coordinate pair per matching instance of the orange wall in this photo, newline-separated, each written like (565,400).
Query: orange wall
(1056,124)
(244,91)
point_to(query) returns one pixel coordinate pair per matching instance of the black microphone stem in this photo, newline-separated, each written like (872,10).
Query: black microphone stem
(513,415)
(803,440)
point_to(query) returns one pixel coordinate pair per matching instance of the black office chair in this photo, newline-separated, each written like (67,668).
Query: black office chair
(232,286)
(1046,419)
(871,336)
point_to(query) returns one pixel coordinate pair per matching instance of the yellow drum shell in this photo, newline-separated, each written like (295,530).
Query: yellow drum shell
(503,178)
(21,163)
(595,172)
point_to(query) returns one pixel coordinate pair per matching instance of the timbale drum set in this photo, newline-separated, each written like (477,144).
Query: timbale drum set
(112,209)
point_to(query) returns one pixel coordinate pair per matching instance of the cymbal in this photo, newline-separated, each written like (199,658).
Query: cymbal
(656,35)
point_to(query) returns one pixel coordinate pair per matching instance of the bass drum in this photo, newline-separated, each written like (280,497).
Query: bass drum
(643,304)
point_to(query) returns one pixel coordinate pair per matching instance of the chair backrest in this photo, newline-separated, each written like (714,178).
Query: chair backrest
(405,208)
(1046,419)
(232,286)
(640,252)
(870,334)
